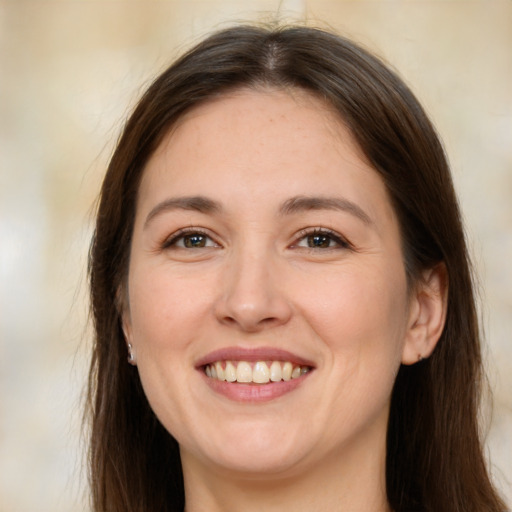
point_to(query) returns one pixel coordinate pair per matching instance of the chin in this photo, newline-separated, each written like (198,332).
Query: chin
(252,451)
(258,465)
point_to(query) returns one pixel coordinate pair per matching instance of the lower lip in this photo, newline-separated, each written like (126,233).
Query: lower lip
(252,393)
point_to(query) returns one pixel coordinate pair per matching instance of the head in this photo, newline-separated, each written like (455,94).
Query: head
(432,411)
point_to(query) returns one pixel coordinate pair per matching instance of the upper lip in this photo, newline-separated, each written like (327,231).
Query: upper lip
(252,355)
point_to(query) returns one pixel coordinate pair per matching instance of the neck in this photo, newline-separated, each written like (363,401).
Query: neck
(349,480)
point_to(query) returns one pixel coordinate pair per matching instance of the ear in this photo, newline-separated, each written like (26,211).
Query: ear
(126,323)
(427,315)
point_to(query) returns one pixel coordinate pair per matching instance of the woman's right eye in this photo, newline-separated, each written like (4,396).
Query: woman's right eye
(190,240)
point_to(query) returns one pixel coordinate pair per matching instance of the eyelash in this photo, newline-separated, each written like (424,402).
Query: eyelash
(341,243)
(182,234)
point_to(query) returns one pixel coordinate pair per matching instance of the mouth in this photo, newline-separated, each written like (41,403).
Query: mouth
(259,372)
(253,375)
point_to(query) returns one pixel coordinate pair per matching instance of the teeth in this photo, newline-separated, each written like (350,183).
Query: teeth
(287,371)
(220,371)
(258,373)
(296,372)
(276,373)
(229,372)
(243,372)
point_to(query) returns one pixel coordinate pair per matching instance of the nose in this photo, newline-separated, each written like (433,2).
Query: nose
(252,294)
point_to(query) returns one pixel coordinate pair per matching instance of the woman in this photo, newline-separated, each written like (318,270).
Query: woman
(279,253)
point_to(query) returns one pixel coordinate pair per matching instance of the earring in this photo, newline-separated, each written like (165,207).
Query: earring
(420,357)
(131,357)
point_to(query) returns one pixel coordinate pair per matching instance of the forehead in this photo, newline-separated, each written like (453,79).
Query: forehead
(256,134)
(265,104)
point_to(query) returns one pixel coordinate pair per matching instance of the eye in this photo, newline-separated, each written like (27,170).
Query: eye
(321,239)
(190,239)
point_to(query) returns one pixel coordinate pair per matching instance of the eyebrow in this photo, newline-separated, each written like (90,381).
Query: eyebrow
(193,203)
(294,205)
(300,204)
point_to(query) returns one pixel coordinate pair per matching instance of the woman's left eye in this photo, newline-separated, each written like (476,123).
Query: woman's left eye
(322,240)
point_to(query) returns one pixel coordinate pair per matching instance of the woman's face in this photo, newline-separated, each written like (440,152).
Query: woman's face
(265,246)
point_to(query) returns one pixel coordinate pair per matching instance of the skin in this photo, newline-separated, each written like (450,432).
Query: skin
(344,306)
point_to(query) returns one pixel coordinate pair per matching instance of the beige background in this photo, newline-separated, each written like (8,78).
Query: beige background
(69,73)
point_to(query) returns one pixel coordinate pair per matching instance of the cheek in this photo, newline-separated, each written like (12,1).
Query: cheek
(163,302)
(361,315)
(167,317)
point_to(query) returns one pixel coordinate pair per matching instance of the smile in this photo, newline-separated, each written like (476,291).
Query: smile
(257,372)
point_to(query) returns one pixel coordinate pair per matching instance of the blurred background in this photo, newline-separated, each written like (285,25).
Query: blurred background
(70,71)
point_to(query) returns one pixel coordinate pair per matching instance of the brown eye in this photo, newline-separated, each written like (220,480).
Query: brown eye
(319,241)
(190,240)
(195,240)
(322,239)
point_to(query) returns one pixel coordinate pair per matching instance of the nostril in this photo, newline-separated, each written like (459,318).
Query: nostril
(269,320)
(229,320)
(246,324)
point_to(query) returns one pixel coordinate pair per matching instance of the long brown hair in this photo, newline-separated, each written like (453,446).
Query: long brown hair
(434,451)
